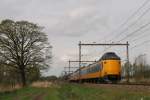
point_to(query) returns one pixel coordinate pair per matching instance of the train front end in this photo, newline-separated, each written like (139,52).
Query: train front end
(111,67)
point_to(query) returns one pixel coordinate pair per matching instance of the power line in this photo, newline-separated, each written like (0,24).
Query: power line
(141,44)
(130,17)
(135,12)
(126,29)
(147,41)
(129,26)
(132,33)
(141,37)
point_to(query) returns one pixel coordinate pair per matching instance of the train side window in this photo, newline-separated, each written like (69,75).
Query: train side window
(97,67)
(89,70)
(85,71)
(101,66)
(82,72)
(92,69)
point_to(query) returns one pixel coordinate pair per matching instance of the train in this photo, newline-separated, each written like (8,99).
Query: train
(106,69)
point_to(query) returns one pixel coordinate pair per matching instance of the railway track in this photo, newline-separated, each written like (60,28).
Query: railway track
(132,84)
(138,84)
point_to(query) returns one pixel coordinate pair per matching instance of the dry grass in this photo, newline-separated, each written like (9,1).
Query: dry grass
(42,84)
(4,88)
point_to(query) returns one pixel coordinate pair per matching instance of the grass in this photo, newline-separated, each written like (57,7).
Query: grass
(30,93)
(73,92)
(79,92)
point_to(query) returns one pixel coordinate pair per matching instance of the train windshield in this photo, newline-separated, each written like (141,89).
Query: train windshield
(109,56)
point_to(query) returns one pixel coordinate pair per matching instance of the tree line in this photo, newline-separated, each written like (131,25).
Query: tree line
(139,70)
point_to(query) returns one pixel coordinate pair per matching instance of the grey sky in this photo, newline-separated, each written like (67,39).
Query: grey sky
(69,21)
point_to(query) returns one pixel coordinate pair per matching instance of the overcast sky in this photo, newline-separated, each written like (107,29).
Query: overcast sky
(69,21)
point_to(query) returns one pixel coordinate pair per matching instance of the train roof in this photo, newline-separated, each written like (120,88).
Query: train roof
(110,56)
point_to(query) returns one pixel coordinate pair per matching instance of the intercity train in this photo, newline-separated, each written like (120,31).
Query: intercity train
(106,69)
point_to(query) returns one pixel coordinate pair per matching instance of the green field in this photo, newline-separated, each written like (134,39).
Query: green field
(73,92)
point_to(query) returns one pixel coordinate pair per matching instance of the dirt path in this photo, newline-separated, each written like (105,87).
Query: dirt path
(40,96)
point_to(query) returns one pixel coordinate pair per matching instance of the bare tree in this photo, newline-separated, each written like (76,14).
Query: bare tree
(140,67)
(23,46)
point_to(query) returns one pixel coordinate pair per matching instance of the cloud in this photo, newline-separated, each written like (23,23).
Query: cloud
(12,8)
(79,23)
(62,18)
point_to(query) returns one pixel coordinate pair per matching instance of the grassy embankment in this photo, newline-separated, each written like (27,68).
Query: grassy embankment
(73,92)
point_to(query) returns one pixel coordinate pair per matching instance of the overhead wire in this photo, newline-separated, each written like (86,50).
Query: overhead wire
(126,29)
(141,36)
(147,41)
(135,31)
(129,18)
